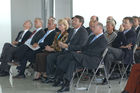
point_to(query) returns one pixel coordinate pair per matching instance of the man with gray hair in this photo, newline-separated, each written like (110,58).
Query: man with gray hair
(23,52)
(9,48)
(88,57)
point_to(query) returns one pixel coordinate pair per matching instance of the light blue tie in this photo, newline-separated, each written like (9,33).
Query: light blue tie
(93,39)
(42,40)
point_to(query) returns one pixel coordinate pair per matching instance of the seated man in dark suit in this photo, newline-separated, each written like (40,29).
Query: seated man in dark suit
(29,46)
(122,46)
(9,48)
(89,57)
(45,41)
(77,38)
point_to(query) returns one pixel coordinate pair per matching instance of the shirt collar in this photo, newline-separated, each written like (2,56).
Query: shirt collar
(51,30)
(38,29)
(26,30)
(98,35)
(136,27)
(126,31)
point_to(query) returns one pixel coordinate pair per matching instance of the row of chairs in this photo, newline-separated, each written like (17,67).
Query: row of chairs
(102,66)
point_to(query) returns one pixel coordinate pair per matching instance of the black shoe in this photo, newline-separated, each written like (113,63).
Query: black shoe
(57,83)
(3,73)
(48,80)
(124,91)
(19,76)
(63,89)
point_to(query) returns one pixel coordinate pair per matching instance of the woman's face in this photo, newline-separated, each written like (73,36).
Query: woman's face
(61,27)
(109,27)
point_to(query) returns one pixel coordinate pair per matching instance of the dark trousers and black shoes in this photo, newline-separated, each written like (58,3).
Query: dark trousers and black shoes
(6,56)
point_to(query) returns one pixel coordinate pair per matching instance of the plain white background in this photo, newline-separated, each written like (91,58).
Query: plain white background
(103,8)
(5,22)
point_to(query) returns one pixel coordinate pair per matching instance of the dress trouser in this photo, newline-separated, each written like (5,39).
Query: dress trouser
(7,56)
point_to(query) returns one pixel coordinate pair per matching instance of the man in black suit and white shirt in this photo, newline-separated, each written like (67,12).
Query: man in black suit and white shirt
(89,56)
(77,38)
(45,41)
(31,43)
(9,48)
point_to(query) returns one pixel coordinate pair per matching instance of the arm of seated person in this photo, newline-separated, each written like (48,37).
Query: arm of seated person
(63,45)
(127,46)
(14,42)
(48,48)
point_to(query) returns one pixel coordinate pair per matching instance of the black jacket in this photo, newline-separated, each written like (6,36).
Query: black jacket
(25,37)
(123,40)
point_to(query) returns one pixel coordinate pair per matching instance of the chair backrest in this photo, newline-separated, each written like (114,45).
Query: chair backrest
(104,53)
(135,48)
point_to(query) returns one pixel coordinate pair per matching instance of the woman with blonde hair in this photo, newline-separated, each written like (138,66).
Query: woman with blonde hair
(61,36)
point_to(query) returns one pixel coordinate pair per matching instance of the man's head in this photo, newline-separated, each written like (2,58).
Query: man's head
(136,21)
(52,23)
(77,21)
(94,18)
(27,25)
(97,28)
(38,23)
(110,26)
(127,23)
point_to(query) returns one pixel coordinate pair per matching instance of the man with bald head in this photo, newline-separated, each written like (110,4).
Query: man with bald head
(9,48)
(93,19)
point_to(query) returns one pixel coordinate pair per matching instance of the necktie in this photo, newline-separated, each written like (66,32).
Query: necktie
(93,39)
(32,33)
(73,34)
(42,40)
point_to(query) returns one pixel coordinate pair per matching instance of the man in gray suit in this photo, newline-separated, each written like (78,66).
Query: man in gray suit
(89,57)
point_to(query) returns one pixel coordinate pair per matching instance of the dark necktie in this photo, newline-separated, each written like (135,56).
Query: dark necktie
(32,33)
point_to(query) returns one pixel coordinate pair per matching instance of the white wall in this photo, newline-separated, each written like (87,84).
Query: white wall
(23,10)
(103,8)
(63,8)
(5,22)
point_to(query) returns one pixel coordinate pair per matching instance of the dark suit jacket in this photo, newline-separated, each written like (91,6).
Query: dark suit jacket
(78,41)
(88,30)
(48,40)
(138,29)
(37,36)
(123,40)
(91,53)
(25,37)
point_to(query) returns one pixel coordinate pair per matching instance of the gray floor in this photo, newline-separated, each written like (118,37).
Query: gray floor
(28,86)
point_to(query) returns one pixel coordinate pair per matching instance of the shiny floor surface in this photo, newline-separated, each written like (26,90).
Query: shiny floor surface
(28,86)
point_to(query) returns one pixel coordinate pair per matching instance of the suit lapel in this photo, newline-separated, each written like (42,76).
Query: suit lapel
(96,40)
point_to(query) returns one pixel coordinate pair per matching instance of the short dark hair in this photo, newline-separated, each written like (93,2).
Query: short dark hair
(129,18)
(136,17)
(81,19)
(97,18)
(100,24)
